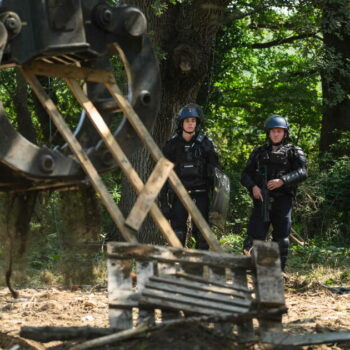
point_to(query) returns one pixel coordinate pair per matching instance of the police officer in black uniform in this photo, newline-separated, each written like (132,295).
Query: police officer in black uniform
(275,169)
(195,158)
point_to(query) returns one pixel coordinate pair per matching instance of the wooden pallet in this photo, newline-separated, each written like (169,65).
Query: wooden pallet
(175,282)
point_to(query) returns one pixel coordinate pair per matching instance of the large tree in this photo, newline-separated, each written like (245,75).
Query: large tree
(183,34)
(335,26)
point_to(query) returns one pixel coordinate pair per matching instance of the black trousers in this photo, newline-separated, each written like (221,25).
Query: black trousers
(179,217)
(280,219)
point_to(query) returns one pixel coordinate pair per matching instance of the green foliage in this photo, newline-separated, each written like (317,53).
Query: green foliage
(160,6)
(321,253)
(323,206)
(232,243)
(250,83)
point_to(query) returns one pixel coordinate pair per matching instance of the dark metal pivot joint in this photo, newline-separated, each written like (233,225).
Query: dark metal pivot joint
(47,163)
(145,97)
(12,23)
(103,15)
(135,22)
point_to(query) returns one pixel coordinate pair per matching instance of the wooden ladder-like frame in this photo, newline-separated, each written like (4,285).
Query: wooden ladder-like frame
(163,171)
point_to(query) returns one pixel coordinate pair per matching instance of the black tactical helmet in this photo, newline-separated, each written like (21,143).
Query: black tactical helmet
(191,110)
(276,121)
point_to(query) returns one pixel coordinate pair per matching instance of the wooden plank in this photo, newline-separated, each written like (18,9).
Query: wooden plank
(187,300)
(85,162)
(245,327)
(144,270)
(123,298)
(218,274)
(70,72)
(119,281)
(156,153)
(199,293)
(122,160)
(269,284)
(285,339)
(7,66)
(149,194)
(200,284)
(179,306)
(269,280)
(51,333)
(164,269)
(123,250)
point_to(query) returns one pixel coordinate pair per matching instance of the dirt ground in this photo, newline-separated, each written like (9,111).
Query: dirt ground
(312,311)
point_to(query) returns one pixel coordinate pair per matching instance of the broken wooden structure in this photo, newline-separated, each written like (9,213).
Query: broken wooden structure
(179,283)
(152,287)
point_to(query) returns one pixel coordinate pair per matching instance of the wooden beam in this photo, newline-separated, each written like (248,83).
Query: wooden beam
(156,153)
(269,280)
(294,340)
(47,334)
(142,252)
(180,299)
(200,293)
(189,281)
(85,162)
(69,72)
(122,160)
(120,292)
(149,194)
(269,284)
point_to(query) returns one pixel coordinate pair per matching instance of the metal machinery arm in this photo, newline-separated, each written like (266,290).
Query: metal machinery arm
(78,33)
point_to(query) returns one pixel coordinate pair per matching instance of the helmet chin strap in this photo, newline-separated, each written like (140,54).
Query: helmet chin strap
(187,132)
(276,143)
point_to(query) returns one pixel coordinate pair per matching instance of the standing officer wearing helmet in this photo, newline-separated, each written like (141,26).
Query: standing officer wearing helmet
(195,158)
(273,169)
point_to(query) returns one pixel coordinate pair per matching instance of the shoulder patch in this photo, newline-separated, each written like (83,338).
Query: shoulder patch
(200,137)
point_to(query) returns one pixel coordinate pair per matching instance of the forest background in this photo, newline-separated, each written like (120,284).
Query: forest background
(242,61)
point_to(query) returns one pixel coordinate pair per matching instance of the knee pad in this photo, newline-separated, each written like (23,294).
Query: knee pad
(283,243)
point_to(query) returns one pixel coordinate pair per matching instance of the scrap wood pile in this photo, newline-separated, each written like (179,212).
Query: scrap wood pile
(185,289)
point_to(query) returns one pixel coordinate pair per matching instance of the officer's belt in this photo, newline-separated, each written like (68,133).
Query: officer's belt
(196,191)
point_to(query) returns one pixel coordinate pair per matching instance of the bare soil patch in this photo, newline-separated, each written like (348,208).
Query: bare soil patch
(312,311)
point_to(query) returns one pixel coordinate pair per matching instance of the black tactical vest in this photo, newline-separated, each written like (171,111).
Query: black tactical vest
(275,163)
(190,162)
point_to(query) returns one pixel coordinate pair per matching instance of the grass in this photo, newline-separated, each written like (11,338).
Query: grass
(310,266)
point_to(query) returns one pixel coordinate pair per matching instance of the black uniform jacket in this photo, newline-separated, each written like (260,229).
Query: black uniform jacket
(288,163)
(194,160)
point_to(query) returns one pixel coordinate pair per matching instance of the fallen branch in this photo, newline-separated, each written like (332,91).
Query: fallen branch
(147,327)
(113,338)
(286,339)
(294,236)
(47,334)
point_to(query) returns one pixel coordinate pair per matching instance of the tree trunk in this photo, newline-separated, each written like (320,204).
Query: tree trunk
(185,37)
(24,120)
(336,75)
(81,225)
